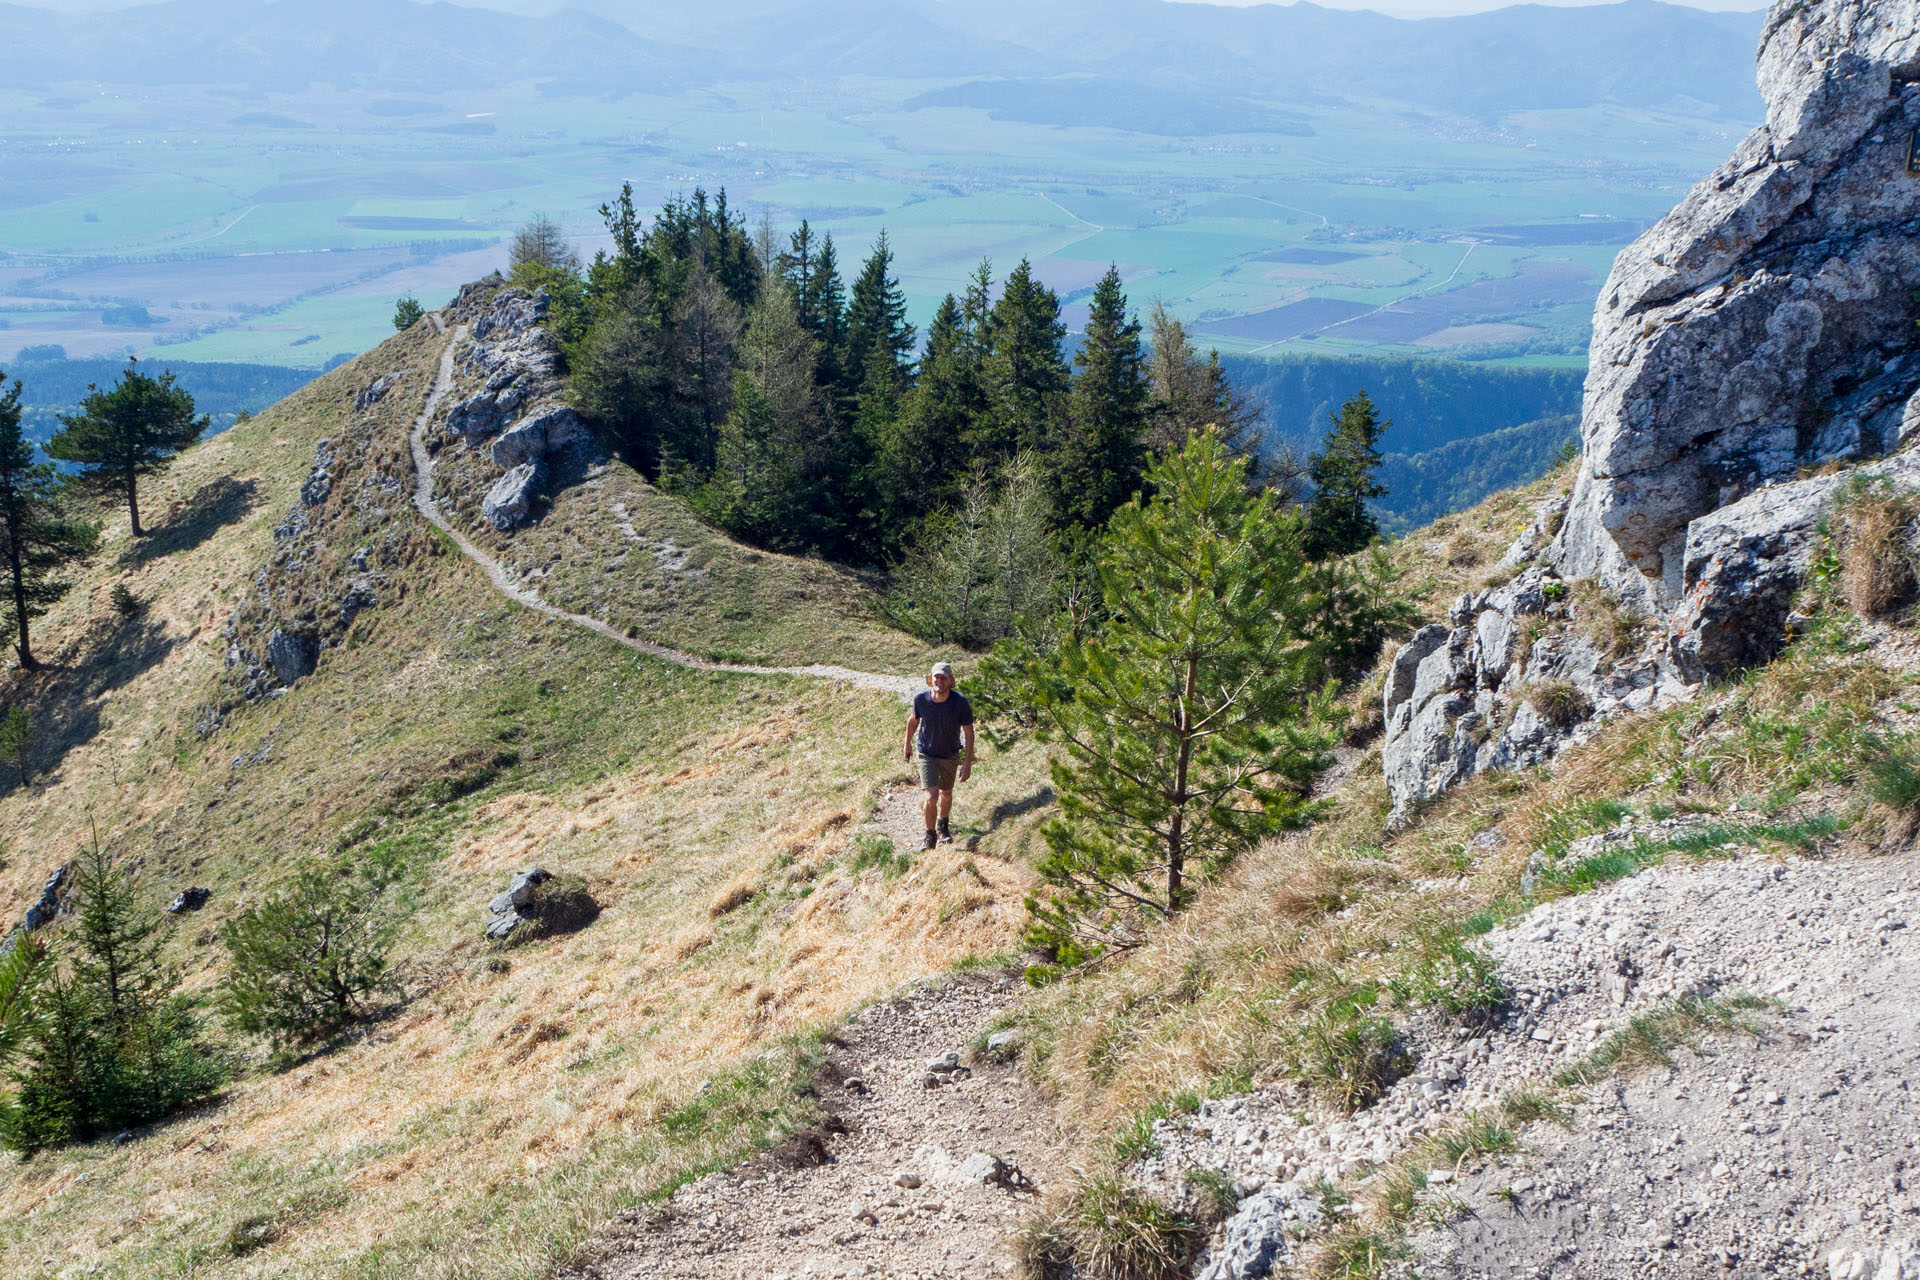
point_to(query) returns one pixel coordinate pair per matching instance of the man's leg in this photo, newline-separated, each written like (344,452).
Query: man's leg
(931,811)
(946,811)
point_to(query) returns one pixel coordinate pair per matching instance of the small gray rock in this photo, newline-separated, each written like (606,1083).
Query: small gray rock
(189,899)
(509,504)
(292,655)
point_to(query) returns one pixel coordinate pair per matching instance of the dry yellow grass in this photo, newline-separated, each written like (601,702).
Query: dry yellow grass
(516,1098)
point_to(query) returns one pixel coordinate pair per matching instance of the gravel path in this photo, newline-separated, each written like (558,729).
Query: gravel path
(1793,1154)
(503,582)
(927,1182)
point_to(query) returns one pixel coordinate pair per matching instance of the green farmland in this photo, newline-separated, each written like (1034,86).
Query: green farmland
(281,230)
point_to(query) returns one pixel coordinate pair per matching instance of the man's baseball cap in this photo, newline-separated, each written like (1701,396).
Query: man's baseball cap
(942,669)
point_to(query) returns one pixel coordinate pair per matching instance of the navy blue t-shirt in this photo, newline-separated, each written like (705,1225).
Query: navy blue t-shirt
(940,724)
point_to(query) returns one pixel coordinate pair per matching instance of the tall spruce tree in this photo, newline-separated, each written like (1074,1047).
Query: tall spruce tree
(775,447)
(1095,465)
(1190,394)
(1338,522)
(706,331)
(38,537)
(1025,374)
(924,461)
(877,331)
(130,431)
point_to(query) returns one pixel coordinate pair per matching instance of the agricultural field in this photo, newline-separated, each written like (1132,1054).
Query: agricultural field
(220,224)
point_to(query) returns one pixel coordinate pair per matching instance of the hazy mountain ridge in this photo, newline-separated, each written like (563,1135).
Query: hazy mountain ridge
(283,46)
(1638,53)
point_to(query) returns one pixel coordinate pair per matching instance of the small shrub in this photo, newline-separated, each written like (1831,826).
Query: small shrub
(407,312)
(1110,1231)
(307,961)
(109,1046)
(1559,702)
(1344,1054)
(126,605)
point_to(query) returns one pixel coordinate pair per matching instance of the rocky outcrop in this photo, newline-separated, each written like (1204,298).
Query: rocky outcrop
(509,504)
(319,482)
(1767,322)
(1764,326)
(291,655)
(331,553)
(515,411)
(48,905)
(1505,683)
(1255,1242)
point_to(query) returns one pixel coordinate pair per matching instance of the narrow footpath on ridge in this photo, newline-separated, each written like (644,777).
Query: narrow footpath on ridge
(918,1171)
(899,686)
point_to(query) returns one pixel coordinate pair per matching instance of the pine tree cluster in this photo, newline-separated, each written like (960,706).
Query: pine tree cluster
(790,408)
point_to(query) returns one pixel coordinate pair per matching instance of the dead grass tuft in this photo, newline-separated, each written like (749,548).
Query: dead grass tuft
(1873,527)
(1559,702)
(732,898)
(1107,1230)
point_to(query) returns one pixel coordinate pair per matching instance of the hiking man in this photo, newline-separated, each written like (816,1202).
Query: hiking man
(940,721)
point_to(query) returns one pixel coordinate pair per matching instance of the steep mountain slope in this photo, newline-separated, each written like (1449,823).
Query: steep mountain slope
(511,1100)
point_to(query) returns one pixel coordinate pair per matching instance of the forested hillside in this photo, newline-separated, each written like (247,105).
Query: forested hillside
(1422,487)
(51,387)
(1431,402)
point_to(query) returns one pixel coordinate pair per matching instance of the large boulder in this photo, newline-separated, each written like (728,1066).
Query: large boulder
(509,504)
(1766,325)
(1767,322)
(539,434)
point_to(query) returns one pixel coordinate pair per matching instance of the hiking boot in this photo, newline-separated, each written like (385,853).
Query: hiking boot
(946,832)
(933,838)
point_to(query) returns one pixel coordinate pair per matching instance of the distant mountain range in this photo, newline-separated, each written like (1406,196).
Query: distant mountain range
(1052,61)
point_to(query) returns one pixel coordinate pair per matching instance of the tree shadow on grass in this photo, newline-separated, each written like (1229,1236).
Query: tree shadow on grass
(63,699)
(212,507)
(1007,810)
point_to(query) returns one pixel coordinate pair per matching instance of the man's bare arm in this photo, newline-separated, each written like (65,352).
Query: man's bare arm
(913,727)
(966,765)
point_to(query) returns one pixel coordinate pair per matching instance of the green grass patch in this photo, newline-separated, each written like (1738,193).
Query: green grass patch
(1650,1038)
(1712,840)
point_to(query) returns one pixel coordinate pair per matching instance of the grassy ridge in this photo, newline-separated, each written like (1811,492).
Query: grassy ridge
(513,1100)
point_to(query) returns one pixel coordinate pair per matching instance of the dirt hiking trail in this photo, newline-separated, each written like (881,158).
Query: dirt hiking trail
(913,1174)
(900,686)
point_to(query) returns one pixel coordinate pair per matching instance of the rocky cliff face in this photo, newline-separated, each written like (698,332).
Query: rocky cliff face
(1768,321)
(1765,326)
(511,367)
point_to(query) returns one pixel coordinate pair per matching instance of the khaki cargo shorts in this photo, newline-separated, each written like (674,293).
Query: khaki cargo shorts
(936,773)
